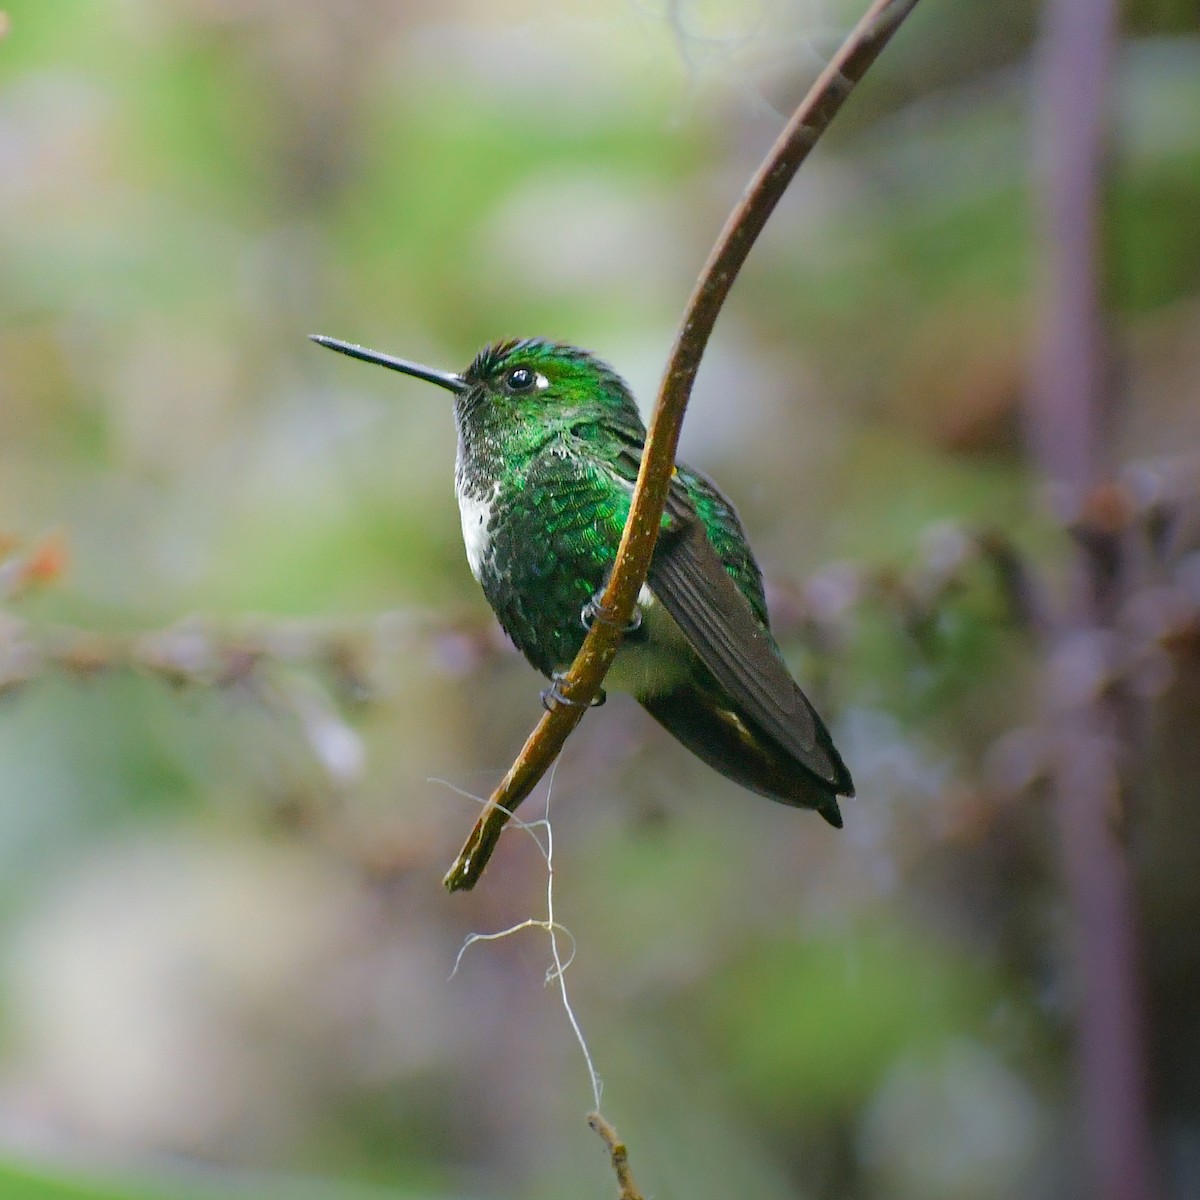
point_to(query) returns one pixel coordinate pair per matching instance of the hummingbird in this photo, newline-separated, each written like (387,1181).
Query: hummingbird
(549,445)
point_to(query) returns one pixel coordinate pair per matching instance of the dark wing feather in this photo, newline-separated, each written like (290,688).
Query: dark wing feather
(690,580)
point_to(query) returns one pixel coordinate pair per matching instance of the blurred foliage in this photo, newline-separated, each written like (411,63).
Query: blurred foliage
(32,1185)
(224,939)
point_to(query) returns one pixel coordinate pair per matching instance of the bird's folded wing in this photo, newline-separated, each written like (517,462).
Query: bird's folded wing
(689,579)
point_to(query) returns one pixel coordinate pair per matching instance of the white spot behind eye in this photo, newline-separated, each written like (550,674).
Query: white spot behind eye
(541,382)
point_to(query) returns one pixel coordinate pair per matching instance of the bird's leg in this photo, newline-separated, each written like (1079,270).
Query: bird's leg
(596,610)
(553,696)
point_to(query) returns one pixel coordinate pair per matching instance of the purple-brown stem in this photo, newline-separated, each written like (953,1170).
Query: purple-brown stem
(1069,425)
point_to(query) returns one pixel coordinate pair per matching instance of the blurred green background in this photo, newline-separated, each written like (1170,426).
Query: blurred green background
(225,947)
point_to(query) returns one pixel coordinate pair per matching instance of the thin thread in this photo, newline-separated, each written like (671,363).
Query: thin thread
(559,967)
(557,971)
(804,38)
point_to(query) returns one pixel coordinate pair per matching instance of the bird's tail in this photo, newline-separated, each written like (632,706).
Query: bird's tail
(740,751)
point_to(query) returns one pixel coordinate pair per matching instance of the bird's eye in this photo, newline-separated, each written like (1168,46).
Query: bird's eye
(520,379)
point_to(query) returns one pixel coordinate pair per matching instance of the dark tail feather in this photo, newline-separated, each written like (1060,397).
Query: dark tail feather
(740,751)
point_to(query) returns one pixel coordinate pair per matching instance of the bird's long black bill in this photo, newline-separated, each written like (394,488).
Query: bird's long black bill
(446,379)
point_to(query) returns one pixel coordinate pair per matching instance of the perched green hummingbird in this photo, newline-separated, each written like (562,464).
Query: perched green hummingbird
(549,445)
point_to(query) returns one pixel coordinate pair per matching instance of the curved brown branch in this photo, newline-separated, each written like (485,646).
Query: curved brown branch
(745,223)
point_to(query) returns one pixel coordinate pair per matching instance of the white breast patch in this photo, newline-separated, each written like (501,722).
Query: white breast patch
(476,515)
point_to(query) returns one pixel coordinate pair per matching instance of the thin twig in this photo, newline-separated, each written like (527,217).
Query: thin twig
(808,123)
(618,1156)
(1070,429)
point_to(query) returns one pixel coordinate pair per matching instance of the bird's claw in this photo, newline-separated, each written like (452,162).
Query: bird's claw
(553,697)
(596,610)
